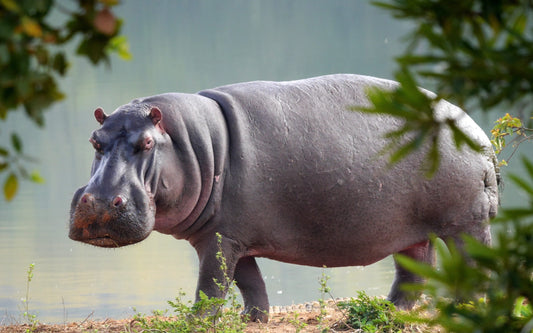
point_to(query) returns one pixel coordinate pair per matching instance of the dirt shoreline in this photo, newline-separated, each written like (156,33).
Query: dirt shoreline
(283,319)
(278,323)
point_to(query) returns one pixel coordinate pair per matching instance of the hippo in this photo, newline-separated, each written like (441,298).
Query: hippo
(280,170)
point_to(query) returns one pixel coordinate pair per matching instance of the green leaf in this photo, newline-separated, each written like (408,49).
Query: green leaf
(10,187)
(417,267)
(481,252)
(514,214)
(522,183)
(60,63)
(35,177)
(460,137)
(432,160)
(11,5)
(519,25)
(23,86)
(94,48)
(403,151)
(31,27)
(120,45)
(529,166)
(109,3)
(16,143)
(442,249)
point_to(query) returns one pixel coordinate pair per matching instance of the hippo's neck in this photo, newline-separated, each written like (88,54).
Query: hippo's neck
(202,215)
(170,221)
(200,139)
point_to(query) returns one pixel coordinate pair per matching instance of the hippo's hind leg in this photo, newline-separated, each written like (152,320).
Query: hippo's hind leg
(422,252)
(253,290)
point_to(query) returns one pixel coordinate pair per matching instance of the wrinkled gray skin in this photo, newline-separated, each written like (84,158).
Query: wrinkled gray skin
(281,170)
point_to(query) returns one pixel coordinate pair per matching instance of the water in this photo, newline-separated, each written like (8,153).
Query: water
(177,46)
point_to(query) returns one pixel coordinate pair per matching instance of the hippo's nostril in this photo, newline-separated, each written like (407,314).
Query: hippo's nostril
(87,198)
(118,201)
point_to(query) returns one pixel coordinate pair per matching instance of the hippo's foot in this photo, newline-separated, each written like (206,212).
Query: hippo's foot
(401,300)
(253,290)
(255,314)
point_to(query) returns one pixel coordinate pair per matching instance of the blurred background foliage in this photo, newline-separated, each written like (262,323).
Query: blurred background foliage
(476,54)
(34,35)
(479,55)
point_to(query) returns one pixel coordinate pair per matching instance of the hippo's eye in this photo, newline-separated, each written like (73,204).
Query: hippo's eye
(148,143)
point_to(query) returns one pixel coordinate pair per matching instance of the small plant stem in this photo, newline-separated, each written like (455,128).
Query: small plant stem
(32,319)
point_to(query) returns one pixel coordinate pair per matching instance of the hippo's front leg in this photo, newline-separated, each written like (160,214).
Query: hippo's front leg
(212,279)
(253,290)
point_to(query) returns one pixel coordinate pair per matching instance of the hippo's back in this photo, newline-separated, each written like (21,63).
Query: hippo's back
(311,120)
(302,161)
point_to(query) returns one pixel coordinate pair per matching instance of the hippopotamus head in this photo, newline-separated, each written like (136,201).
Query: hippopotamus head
(117,206)
(158,161)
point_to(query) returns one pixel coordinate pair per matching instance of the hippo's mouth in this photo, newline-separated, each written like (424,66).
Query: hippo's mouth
(106,238)
(105,241)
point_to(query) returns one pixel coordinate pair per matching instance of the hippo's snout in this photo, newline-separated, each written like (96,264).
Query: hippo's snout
(111,222)
(88,200)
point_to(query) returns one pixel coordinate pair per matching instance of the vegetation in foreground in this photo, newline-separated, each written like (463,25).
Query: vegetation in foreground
(477,54)
(372,314)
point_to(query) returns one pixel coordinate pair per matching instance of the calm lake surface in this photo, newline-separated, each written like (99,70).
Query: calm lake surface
(181,46)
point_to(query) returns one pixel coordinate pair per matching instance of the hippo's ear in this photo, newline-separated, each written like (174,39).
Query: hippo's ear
(100,115)
(156,116)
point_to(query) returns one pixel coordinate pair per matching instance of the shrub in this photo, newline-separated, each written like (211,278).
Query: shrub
(372,314)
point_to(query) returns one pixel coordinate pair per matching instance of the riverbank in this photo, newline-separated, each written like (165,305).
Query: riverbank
(283,319)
